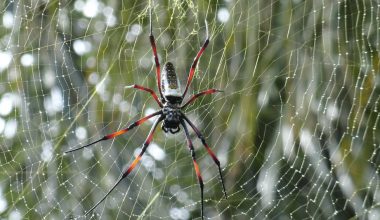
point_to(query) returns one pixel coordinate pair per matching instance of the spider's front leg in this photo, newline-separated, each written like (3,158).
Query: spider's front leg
(209,151)
(196,167)
(132,166)
(117,133)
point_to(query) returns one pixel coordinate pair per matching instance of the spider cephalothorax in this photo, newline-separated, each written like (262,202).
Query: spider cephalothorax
(170,114)
(171,121)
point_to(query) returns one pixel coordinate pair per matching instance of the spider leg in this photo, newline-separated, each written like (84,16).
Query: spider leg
(117,133)
(196,167)
(195,62)
(154,49)
(154,95)
(194,97)
(209,151)
(132,166)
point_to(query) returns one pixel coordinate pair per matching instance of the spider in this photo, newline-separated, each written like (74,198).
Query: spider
(170,114)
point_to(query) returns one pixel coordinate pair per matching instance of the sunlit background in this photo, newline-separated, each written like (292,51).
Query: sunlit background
(296,129)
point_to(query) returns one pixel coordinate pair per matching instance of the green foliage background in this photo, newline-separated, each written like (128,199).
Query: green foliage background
(296,129)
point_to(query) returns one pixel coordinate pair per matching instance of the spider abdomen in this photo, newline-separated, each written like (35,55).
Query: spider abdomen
(170,84)
(171,119)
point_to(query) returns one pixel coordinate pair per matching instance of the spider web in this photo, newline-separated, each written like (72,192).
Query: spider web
(296,129)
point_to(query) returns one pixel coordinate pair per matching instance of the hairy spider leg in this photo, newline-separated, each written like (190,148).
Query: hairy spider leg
(133,165)
(117,133)
(209,151)
(196,167)
(195,62)
(154,49)
(154,95)
(194,97)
